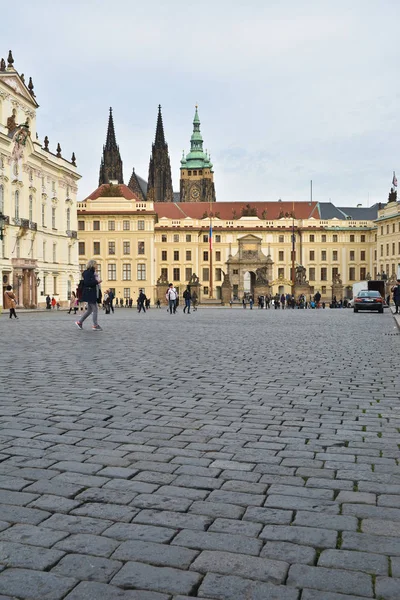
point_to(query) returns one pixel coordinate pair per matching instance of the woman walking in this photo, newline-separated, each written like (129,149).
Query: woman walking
(72,304)
(90,294)
(9,301)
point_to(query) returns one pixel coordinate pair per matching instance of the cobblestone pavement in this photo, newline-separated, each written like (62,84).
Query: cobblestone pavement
(224,455)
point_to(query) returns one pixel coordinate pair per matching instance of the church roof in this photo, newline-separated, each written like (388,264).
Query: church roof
(124,190)
(233,210)
(351,213)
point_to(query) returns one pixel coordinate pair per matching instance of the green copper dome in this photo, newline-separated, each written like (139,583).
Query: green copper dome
(197,158)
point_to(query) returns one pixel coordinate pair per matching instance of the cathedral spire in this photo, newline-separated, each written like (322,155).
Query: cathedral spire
(111,163)
(160,138)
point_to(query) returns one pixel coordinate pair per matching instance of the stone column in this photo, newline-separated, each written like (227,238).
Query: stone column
(226,290)
(337,290)
(302,289)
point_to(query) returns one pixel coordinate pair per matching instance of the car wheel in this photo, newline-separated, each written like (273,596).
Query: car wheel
(381,310)
(355,309)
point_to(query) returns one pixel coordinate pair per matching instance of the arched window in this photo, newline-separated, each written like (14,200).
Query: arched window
(17,204)
(1,199)
(31,208)
(68,218)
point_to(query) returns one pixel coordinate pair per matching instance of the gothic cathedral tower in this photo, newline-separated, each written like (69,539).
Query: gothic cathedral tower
(197,175)
(111,163)
(159,185)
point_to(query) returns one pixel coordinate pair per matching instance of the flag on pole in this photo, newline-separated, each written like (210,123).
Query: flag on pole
(210,236)
(394,182)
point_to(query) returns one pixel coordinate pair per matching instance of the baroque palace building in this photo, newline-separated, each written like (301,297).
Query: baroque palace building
(144,235)
(38,215)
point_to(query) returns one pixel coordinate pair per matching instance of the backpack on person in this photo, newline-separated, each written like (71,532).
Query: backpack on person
(79,291)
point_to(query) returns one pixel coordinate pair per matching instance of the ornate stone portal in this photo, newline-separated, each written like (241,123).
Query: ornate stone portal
(249,259)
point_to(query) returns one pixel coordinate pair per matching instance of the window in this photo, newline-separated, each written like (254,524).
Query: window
(163,237)
(323,254)
(381,249)
(205,238)
(324,274)
(281,273)
(281,255)
(188,237)
(53,217)
(312,255)
(205,255)
(98,270)
(140,248)
(352,274)
(188,255)
(16,204)
(335,272)
(311,274)
(375,255)
(111,247)
(362,254)
(323,238)
(393,248)
(218,274)
(141,272)
(218,255)
(81,248)
(140,225)
(236,271)
(164,273)
(43,215)
(176,274)
(363,238)
(205,290)
(54,253)
(176,254)
(127,293)
(206,274)
(68,219)
(111,225)
(126,225)
(1,199)
(81,225)
(176,237)
(126,247)
(69,255)
(217,238)
(31,210)
(96,226)
(393,229)
(126,272)
(312,237)
(281,239)
(352,238)
(381,229)
(334,237)
(363,273)
(164,255)
(352,255)
(334,255)
(96,247)
(387,249)
(55,285)
(188,273)
(387,228)
(112,272)
(323,289)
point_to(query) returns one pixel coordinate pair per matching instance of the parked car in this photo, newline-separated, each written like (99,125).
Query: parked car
(368,300)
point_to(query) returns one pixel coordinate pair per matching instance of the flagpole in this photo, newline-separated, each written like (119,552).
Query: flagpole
(293,249)
(210,252)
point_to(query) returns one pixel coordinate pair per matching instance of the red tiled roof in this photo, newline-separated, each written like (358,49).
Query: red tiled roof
(225,210)
(125,191)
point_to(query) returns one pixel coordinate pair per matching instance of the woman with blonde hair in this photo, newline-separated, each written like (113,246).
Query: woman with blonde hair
(91,285)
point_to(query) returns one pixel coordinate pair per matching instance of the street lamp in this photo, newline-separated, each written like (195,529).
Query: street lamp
(37,281)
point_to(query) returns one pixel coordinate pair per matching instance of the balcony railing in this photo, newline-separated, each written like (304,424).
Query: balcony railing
(72,234)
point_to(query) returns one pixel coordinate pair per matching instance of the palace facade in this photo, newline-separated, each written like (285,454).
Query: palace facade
(38,188)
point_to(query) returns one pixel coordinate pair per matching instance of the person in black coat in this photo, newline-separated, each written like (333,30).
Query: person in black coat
(91,294)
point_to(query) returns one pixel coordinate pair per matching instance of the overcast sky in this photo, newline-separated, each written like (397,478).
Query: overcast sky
(288,91)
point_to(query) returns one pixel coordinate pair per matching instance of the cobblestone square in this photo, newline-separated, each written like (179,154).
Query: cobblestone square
(228,454)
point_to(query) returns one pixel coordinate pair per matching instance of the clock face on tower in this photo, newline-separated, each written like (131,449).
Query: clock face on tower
(194,192)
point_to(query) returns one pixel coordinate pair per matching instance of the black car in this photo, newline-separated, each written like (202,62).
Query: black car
(368,300)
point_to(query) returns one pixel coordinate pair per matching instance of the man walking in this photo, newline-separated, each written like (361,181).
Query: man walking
(91,283)
(141,300)
(396,296)
(171,297)
(187,297)
(111,298)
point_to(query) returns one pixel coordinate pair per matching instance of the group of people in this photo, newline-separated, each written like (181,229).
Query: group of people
(172,298)
(282,301)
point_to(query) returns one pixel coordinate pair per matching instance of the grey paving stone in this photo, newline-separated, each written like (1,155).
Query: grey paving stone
(51,487)
(149,533)
(365,542)
(114,512)
(217,541)
(381,527)
(82,543)
(217,509)
(268,516)
(117,472)
(78,467)
(309,536)
(131,486)
(308,594)
(54,504)
(223,587)
(252,567)
(336,522)
(105,495)
(191,481)
(300,503)
(356,497)
(171,490)
(75,524)
(16,498)
(99,591)
(240,498)
(395,566)
(387,588)
(173,519)
(366,511)
(35,536)
(18,555)
(162,579)
(236,527)
(290,553)
(155,554)
(330,580)
(88,568)
(356,561)
(35,585)
(20,514)
(162,502)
